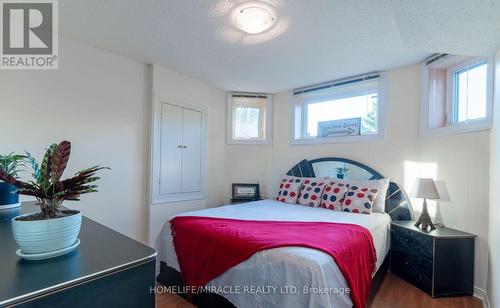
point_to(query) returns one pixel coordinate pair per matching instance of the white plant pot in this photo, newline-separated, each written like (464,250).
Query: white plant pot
(41,236)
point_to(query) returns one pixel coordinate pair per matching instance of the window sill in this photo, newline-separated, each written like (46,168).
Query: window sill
(350,139)
(462,128)
(248,142)
(181,197)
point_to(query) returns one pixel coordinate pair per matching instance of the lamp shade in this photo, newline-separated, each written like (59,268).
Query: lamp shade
(424,188)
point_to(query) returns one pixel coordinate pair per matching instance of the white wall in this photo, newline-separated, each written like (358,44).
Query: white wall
(494,213)
(463,164)
(386,156)
(96,100)
(179,88)
(461,159)
(101,103)
(247,164)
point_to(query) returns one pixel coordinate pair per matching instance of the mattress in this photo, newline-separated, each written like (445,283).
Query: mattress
(286,276)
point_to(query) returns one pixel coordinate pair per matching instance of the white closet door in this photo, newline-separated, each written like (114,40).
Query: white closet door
(171,149)
(191,156)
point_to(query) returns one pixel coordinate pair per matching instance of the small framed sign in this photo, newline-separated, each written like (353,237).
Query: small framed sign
(339,128)
(246,191)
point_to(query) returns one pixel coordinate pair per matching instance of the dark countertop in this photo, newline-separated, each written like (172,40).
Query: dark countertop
(102,251)
(440,232)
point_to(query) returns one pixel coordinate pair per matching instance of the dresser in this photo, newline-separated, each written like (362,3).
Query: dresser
(107,269)
(439,262)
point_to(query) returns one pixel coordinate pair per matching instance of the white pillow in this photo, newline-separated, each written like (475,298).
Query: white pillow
(381,185)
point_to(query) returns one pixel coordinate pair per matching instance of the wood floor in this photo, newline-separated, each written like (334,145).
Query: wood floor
(165,300)
(394,293)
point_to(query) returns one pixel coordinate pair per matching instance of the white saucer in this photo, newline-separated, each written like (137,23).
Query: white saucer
(48,255)
(10,206)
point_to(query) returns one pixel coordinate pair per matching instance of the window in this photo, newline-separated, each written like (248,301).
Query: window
(340,111)
(456,94)
(248,118)
(469,89)
(362,106)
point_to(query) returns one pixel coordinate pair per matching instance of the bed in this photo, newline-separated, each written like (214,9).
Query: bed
(303,272)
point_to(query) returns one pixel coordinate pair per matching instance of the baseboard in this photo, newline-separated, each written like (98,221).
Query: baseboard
(481,294)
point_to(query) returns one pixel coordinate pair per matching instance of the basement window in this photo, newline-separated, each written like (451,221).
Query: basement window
(469,92)
(456,94)
(348,110)
(248,118)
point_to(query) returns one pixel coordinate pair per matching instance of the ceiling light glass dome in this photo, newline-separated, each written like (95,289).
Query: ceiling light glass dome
(255,19)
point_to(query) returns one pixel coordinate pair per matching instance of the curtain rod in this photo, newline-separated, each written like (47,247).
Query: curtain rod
(337,83)
(435,57)
(248,95)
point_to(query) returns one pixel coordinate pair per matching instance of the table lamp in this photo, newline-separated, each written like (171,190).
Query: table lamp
(426,189)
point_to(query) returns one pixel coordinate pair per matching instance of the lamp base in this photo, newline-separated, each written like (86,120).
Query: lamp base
(424,221)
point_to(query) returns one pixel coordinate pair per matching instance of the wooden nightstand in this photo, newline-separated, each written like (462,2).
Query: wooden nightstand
(242,200)
(439,262)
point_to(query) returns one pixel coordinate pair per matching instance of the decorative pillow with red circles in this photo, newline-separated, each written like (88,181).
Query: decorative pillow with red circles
(289,189)
(333,196)
(310,193)
(359,200)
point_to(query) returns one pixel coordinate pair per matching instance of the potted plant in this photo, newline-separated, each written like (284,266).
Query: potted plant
(53,228)
(10,164)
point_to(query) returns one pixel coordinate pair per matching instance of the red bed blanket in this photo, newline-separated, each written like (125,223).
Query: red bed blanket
(207,247)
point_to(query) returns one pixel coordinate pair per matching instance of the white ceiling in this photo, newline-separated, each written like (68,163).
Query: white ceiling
(314,40)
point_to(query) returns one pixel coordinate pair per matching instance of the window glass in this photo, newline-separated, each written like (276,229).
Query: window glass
(457,94)
(470,93)
(246,122)
(339,111)
(248,119)
(362,106)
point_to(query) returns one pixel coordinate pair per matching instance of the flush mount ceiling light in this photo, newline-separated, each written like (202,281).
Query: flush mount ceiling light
(254,19)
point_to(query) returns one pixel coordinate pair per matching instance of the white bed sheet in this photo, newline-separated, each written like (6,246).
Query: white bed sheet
(271,271)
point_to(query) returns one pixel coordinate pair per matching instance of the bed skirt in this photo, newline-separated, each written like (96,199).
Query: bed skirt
(170,277)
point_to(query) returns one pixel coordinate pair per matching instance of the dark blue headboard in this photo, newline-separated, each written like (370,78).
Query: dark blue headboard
(397,203)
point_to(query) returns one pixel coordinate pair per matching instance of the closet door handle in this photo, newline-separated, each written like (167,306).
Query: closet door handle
(179,146)
(182,146)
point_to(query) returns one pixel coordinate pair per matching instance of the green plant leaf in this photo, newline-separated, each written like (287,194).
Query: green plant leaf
(12,163)
(36,169)
(46,167)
